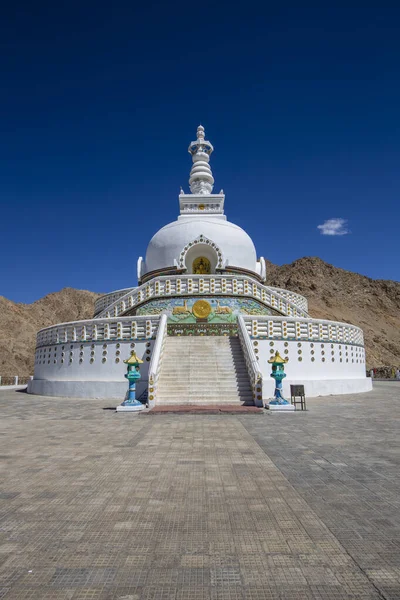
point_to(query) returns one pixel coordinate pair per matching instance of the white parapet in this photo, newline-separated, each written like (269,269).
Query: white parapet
(94,330)
(285,302)
(107,299)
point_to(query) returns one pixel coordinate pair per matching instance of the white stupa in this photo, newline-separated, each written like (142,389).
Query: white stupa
(203,319)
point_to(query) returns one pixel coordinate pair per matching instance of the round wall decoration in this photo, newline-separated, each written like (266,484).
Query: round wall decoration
(201,309)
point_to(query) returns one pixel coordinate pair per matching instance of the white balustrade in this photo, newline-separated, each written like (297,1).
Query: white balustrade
(296,299)
(125,328)
(104,301)
(184,285)
(13,380)
(302,329)
(251,361)
(156,359)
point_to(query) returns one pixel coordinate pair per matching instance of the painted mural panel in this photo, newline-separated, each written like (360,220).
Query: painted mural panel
(222,309)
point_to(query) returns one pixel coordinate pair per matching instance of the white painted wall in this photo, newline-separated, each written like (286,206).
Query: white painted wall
(106,390)
(56,375)
(344,374)
(90,361)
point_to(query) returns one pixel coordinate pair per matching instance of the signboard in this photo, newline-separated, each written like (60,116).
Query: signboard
(297,390)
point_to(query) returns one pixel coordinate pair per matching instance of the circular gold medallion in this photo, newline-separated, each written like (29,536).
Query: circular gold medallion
(201,309)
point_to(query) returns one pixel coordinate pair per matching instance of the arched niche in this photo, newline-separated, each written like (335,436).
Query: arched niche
(201,248)
(201,253)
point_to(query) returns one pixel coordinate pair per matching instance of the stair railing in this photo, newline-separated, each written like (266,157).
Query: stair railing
(250,357)
(156,360)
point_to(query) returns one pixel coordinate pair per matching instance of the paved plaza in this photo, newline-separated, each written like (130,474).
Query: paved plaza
(98,505)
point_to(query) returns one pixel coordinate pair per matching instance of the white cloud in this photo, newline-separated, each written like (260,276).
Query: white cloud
(334,227)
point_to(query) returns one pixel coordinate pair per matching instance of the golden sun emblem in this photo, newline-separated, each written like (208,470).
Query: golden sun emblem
(201,309)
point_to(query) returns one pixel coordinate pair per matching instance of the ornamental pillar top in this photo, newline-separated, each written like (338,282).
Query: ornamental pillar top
(277,359)
(133,359)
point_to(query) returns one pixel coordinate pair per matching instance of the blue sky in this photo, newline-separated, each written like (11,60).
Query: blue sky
(99,102)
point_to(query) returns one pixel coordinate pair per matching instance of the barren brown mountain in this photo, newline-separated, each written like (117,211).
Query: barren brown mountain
(20,322)
(373,305)
(332,293)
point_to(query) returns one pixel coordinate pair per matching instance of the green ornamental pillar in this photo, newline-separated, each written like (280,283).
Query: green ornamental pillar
(278,373)
(130,404)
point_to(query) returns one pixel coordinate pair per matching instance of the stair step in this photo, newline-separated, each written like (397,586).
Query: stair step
(203,367)
(202,400)
(204,386)
(205,397)
(213,376)
(203,370)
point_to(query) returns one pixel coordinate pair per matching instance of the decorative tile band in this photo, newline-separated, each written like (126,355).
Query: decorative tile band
(223,308)
(198,329)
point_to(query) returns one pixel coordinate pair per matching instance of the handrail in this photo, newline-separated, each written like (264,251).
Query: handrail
(252,365)
(102,303)
(189,285)
(12,380)
(156,359)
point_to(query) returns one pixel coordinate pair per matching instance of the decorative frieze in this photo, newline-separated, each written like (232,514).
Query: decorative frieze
(177,329)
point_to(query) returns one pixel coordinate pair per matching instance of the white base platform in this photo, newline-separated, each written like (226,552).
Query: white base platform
(105,390)
(116,390)
(280,407)
(13,387)
(319,387)
(130,408)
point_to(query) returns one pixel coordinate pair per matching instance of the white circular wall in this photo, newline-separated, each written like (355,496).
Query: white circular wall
(88,369)
(324,368)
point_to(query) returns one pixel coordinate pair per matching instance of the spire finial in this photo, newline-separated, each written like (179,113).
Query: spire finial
(200,132)
(201,180)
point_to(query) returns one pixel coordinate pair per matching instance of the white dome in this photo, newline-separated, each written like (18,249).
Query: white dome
(166,246)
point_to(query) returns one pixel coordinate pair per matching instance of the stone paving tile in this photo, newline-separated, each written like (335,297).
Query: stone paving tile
(95,505)
(342,457)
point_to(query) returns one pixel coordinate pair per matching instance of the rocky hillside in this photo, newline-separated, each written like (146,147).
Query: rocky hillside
(373,305)
(20,322)
(332,293)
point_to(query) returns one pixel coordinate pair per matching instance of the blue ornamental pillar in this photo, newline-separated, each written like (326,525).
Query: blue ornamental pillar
(132,375)
(278,373)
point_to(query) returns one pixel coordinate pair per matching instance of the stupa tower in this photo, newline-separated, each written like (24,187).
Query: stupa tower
(202,320)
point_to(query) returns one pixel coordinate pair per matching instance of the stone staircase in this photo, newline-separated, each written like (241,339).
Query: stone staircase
(203,370)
